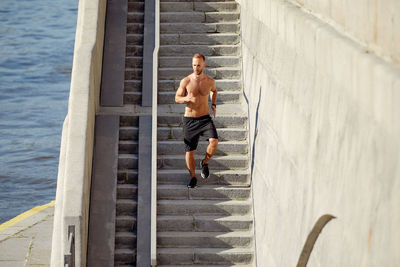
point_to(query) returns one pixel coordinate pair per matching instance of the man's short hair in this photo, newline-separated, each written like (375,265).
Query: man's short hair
(198,55)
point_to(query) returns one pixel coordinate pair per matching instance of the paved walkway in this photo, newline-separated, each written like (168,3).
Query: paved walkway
(26,239)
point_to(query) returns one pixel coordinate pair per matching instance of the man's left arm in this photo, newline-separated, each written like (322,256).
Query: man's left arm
(213,96)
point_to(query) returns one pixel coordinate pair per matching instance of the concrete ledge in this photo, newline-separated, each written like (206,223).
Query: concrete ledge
(101,244)
(73,186)
(148,49)
(113,74)
(144,192)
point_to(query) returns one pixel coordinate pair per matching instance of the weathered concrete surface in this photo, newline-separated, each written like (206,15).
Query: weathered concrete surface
(28,241)
(374,23)
(112,82)
(325,112)
(103,195)
(76,152)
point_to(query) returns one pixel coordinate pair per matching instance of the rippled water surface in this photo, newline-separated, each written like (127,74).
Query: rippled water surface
(36,51)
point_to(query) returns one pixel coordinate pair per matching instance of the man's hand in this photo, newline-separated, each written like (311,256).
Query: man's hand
(189,97)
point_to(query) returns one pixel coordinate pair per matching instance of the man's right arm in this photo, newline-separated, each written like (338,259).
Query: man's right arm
(181,95)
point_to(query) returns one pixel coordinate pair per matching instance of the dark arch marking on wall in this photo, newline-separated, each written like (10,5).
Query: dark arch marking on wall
(312,238)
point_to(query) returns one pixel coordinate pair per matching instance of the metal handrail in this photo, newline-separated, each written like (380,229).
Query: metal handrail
(153,249)
(69,257)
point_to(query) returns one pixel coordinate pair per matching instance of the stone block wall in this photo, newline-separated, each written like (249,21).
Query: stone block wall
(324,114)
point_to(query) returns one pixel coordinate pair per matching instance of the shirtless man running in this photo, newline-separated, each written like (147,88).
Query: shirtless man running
(194,90)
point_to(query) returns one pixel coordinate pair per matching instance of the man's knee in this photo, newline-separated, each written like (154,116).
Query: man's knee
(190,153)
(213,142)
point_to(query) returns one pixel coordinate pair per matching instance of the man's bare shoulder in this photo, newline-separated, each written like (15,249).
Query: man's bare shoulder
(209,79)
(185,80)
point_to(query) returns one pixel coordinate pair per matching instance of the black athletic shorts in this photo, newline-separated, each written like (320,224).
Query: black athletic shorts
(193,127)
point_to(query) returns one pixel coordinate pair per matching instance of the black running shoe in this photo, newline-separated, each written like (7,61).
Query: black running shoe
(204,170)
(192,183)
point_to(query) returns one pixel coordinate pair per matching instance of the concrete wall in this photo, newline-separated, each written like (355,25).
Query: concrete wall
(324,121)
(76,153)
(375,23)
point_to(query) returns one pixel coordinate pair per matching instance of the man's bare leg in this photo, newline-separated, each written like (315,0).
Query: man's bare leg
(189,157)
(211,148)
(190,164)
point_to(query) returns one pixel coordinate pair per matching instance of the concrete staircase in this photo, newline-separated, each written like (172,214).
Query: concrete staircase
(126,210)
(211,225)
(134,52)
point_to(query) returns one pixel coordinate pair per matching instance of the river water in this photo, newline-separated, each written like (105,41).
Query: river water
(36,52)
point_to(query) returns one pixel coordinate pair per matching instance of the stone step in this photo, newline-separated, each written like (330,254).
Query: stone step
(128,147)
(135,38)
(204,223)
(197,6)
(179,73)
(188,27)
(197,265)
(132,97)
(200,28)
(204,239)
(128,121)
(133,62)
(133,85)
(128,133)
(204,192)
(185,61)
(223,97)
(217,177)
(199,17)
(133,50)
(134,28)
(162,1)
(127,176)
(230,162)
(135,6)
(200,39)
(206,50)
(133,73)
(176,133)
(124,256)
(127,191)
(126,207)
(125,223)
(135,17)
(178,147)
(203,207)
(127,161)
(125,240)
(222,85)
(198,256)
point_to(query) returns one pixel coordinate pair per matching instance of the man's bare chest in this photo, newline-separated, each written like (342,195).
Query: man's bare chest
(198,88)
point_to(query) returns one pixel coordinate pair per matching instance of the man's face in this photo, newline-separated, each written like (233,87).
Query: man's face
(198,65)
